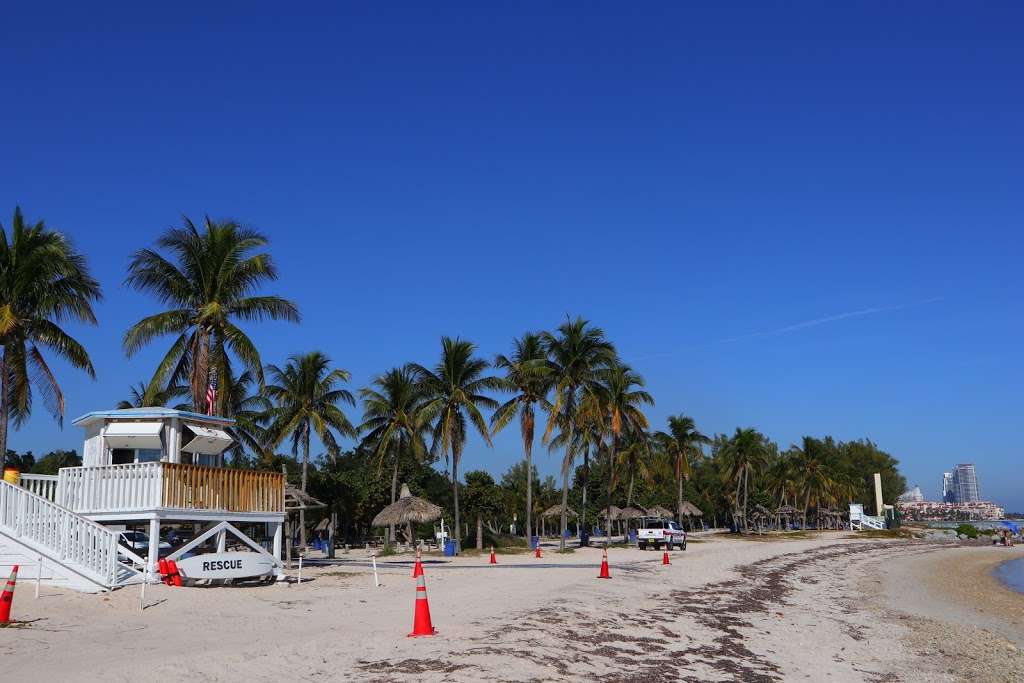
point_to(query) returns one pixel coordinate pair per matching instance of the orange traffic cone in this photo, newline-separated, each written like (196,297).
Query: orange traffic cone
(417,569)
(536,552)
(604,566)
(494,560)
(664,558)
(7,597)
(421,625)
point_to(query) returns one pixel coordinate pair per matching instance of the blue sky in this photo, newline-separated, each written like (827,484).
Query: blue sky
(699,182)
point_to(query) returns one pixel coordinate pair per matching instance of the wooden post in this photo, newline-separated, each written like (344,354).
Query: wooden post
(154,547)
(288,542)
(330,535)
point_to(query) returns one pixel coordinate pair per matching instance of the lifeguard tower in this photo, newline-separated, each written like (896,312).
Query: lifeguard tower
(140,466)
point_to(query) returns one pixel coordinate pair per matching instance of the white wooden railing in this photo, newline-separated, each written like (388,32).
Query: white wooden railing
(152,485)
(44,485)
(67,537)
(110,487)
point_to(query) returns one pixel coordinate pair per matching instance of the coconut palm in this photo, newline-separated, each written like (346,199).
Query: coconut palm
(305,395)
(453,397)
(139,397)
(745,453)
(393,421)
(528,378)
(683,443)
(577,353)
(208,284)
(624,398)
(635,459)
(43,282)
(250,409)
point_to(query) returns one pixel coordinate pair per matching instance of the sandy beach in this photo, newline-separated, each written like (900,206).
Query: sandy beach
(831,607)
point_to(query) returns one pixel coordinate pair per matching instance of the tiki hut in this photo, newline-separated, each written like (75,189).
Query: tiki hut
(787,512)
(613,510)
(689,510)
(761,519)
(407,510)
(554,511)
(659,511)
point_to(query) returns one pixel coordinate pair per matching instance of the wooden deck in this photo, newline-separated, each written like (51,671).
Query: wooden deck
(161,485)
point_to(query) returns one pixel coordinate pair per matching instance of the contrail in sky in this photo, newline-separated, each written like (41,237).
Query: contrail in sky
(803,325)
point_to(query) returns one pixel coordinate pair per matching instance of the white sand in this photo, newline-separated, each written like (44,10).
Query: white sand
(726,609)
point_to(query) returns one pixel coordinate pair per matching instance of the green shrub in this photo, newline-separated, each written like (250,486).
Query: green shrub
(968,530)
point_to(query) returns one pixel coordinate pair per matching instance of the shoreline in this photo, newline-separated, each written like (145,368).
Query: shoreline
(964,623)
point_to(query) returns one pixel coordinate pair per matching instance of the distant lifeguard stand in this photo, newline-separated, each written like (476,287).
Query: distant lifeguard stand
(139,466)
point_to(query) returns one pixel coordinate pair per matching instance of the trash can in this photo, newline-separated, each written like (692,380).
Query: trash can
(632,536)
(449,548)
(584,538)
(534,542)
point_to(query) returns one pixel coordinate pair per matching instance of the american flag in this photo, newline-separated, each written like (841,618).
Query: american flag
(211,391)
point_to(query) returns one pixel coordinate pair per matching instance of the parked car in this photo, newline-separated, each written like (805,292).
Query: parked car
(138,543)
(657,531)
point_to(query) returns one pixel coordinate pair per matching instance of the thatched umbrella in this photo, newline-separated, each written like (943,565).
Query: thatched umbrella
(659,511)
(406,510)
(786,511)
(614,510)
(690,510)
(555,511)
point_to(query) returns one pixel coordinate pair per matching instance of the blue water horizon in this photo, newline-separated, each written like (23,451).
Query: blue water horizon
(1011,574)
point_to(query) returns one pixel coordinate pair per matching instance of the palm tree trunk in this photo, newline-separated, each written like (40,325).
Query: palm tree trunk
(736,503)
(4,409)
(582,519)
(807,504)
(565,503)
(629,493)
(305,477)
(479,533)
(746,492)
(529,490)
(608,500)
(394,492)
(679,494)
(455,496)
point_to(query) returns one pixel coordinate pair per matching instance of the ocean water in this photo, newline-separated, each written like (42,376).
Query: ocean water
(1012,574)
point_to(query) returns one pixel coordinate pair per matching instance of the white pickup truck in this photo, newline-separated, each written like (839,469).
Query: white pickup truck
(656,531)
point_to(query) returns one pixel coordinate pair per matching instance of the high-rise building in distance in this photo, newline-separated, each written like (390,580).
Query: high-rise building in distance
(965,484)
(947,488)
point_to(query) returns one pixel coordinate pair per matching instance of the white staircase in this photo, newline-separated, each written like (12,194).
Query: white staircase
(75,552)
(867,521)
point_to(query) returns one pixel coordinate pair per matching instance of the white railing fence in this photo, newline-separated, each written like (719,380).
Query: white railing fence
(44,485)
(111,487)
(66,535)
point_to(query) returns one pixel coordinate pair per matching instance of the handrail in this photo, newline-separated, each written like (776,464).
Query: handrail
(44,485)
(69,537)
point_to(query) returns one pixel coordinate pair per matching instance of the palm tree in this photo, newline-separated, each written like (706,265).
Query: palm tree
(208,284)
(624,398)
(250,410)
(393,421)
(453,394)
(576,355)
(636,459)
(682,442)
(305,397)
(527,376)
(812,470)
(139,397)
(43,282)
(746,452)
